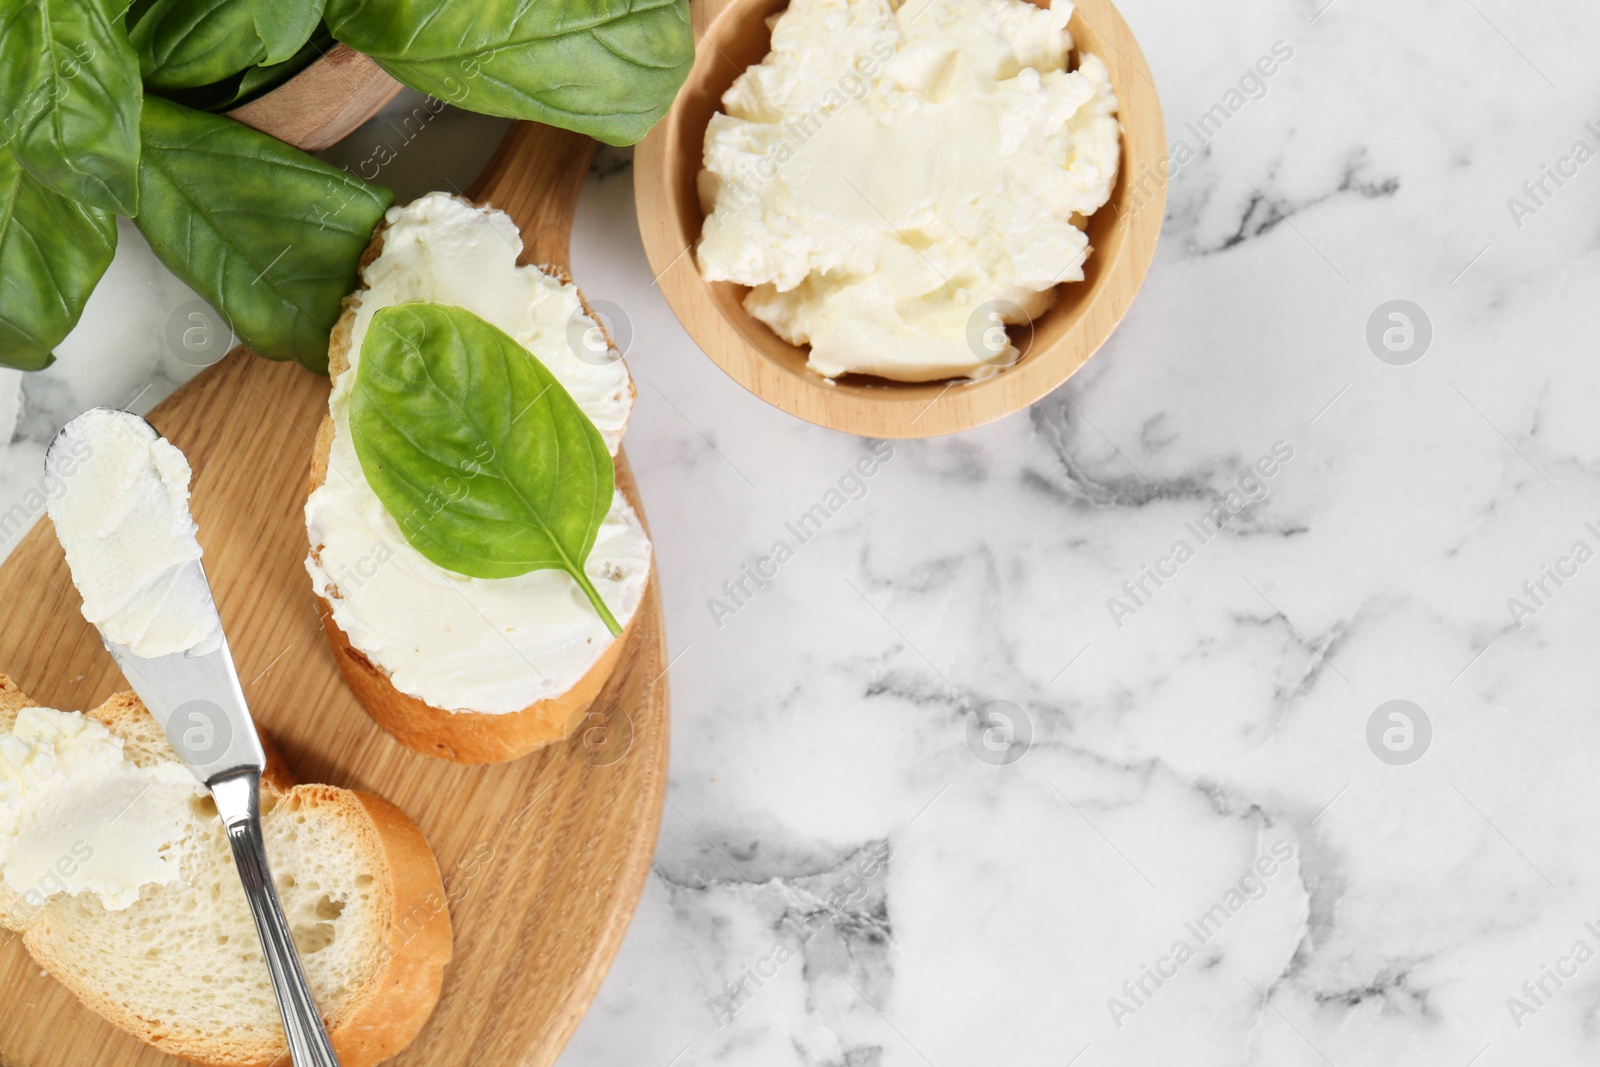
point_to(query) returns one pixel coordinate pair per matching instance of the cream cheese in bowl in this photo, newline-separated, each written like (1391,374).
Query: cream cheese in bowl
(897,180)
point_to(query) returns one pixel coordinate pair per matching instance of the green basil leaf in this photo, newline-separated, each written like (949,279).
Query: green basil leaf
(607,68)
(69,98)
(487,464)
(252,82)
(285,25)
(52,252)
(187,43)
(259,80)
(267,234)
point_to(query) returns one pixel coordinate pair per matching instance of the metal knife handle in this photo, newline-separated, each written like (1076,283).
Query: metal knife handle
(238,800)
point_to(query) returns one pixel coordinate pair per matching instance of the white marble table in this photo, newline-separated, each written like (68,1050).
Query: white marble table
(852,873)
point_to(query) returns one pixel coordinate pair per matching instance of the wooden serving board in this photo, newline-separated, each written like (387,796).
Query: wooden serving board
(543,858)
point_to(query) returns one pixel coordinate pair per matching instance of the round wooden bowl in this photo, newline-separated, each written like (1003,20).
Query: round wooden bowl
(733,36)
(322,104)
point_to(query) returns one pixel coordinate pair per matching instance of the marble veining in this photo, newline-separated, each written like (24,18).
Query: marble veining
(1205,765)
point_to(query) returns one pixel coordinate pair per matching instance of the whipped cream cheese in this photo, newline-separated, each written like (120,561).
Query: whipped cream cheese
(123,518)
(896,179)
(441,249)
(487,645)
(78,816)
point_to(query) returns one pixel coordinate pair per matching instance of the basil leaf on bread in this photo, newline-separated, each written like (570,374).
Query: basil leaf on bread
(486,463)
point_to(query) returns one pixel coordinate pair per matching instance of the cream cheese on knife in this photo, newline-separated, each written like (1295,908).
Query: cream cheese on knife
(122,515)
(77,815)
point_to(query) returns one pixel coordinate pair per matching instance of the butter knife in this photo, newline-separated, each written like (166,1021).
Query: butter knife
(197,699)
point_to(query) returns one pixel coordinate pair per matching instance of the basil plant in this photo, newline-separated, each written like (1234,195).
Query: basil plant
(111,109)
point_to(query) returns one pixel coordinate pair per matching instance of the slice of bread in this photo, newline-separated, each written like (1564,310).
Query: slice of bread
(182,970)
(463,735)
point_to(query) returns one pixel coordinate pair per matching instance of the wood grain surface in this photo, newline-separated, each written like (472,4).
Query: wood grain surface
(322,104)
(543,858)
(733,36)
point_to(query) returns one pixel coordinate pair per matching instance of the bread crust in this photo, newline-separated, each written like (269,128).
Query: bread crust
(467,736)
(400,999)
(459,736)
(373,1025)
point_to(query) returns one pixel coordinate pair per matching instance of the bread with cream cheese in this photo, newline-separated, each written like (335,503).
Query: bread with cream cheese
(181,968)
(459,729)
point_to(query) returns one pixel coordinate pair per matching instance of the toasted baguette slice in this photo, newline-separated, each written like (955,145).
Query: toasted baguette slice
(460,735)
(182,970)
(465,736)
